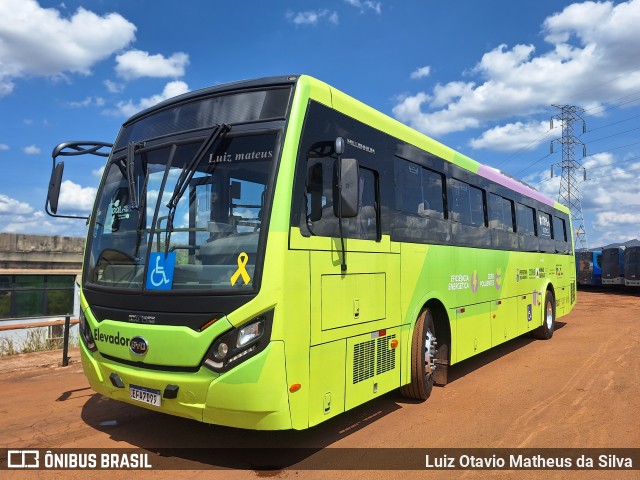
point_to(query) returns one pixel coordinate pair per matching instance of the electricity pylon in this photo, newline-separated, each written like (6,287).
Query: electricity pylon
(569,194)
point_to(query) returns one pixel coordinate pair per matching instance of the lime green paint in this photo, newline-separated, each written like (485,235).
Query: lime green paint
(327,263)
(503,327)
(317,339)
(352,299)
(257,387)
(327,392)
(473,323)
(363,377)
(450,275)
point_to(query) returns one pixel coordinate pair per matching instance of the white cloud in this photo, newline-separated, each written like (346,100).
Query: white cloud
(98,172)
(597,66)
(31,150)
(615,219)
(609,198)
(40,223)
(10,206)
(36,41)
(87,102)
(19,217)
(365,5)
(170,90)
(113,87)
(4,147)
(512,136)
(136,64)
(312,17)
(75,197)
(421,72)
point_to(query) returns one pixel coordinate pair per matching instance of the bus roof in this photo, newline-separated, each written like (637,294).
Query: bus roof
(216,89)
(388,124)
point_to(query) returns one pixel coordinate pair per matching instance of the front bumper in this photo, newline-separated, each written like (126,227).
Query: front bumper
(252,395)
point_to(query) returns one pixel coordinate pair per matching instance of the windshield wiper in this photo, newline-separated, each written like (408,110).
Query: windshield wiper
(130,173)
(187,173)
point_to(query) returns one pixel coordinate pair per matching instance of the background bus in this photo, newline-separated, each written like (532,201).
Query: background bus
(632,266)
(613,266)
(588,267)
(268,254)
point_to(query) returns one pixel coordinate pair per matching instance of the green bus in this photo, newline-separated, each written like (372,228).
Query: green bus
(268,254)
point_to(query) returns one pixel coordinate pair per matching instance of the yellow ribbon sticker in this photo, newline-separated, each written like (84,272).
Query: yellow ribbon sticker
(243,258)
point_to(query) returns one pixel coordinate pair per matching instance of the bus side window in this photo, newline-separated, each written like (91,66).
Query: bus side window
(525,218)
(467,206)
(559,230)
(366,223)
(500,213)
(314,192)
(319,197)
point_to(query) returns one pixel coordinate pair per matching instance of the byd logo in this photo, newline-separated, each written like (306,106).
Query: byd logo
(138,346)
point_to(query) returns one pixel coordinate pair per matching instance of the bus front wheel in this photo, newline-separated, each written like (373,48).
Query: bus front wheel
(423,347)
(545,332)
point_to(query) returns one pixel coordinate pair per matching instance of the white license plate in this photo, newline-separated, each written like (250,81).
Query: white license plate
(145,395)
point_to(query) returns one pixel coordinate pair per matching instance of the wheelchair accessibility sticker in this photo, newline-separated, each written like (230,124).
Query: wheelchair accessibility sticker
(160,272)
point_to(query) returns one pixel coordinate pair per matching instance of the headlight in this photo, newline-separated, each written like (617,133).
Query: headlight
(239,344)
(250,333)
(85,333)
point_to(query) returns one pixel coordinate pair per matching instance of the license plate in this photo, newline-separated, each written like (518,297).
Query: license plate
(145,395)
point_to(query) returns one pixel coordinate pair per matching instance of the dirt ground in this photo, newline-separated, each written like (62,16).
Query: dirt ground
(581,389)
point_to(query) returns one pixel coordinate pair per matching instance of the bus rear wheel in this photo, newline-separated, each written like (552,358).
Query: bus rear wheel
(545,332)
(423,348)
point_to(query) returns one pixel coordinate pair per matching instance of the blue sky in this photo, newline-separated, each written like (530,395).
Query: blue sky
(479,76)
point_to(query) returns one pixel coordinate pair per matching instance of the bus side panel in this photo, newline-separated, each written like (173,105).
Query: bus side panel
(473,330)
(503,312)
(254,396)
(372,366)
(327,392)
(528,309)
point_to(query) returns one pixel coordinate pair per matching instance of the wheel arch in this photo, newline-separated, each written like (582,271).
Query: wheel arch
(441,322)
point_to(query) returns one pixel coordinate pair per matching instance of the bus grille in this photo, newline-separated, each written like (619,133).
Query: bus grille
(373,357)
(386,355)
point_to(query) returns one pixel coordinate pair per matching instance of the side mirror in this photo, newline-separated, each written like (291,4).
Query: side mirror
(55,183)
(345,190)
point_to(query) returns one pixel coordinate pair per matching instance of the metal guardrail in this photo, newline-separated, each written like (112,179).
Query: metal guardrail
(21,326)
(67,322)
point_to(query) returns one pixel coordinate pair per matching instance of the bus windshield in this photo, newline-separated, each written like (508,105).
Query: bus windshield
(212,239)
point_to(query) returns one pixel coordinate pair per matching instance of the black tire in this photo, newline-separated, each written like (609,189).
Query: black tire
(545,332)
(421,373)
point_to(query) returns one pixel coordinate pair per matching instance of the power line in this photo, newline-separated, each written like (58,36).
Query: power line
(612,149)
(537,140)
(526,147)
(625,74)
(613,174)
(613,135)
(534,163)
(612,107)
(592,179)
(614,163)
(614,123)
